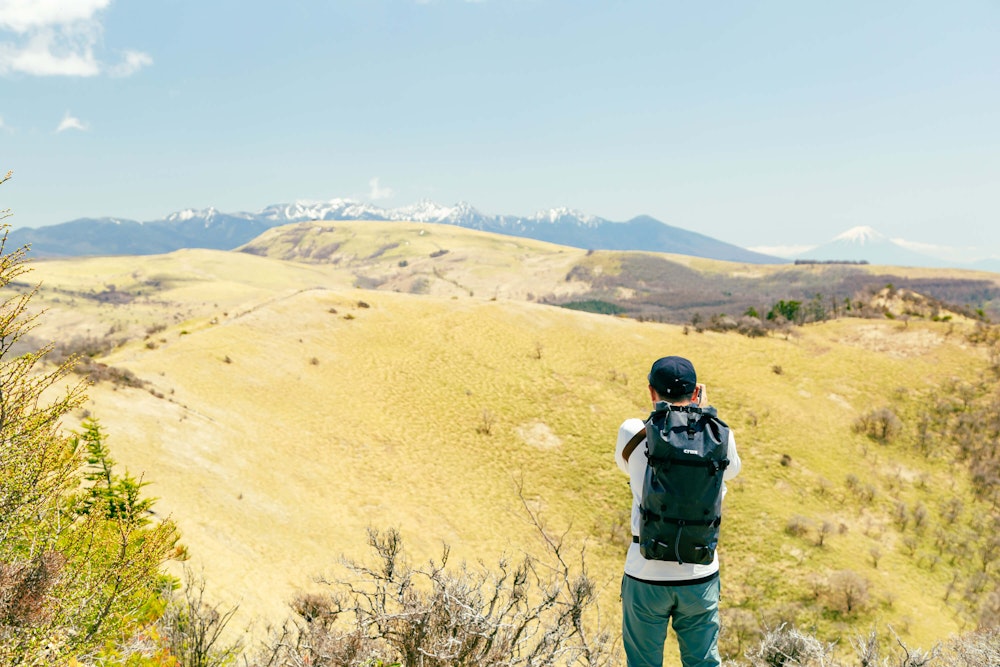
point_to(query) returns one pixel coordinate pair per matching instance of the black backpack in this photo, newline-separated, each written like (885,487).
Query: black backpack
(681,507)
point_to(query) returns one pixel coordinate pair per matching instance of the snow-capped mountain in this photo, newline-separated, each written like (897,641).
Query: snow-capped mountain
(869,245)
(211,228)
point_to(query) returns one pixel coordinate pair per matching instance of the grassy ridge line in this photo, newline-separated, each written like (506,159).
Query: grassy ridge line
(436,259)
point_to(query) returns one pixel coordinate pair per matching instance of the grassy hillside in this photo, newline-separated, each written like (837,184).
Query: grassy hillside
(420,258)
(438,259)
(283,411)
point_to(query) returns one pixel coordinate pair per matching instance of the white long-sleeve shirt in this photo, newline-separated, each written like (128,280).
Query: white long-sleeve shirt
(660,570)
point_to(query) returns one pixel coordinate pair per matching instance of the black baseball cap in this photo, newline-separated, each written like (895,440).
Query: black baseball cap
(673,377)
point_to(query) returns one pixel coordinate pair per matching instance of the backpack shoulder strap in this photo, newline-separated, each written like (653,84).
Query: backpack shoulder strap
(634,442)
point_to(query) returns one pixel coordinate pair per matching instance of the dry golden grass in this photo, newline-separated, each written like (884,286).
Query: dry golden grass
(426,258)
(286,412)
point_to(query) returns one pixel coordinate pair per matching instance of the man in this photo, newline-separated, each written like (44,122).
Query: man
(655,592)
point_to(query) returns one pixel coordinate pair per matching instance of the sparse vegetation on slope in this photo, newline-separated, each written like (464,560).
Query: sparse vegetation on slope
(424,408)
(438,259)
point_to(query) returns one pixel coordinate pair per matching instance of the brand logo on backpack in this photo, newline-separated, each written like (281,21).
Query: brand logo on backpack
(681,508)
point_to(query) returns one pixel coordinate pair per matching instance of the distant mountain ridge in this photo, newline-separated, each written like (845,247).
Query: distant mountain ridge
(211,228)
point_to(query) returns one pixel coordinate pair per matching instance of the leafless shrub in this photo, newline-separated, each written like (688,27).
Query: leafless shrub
(751,327)
(881,425)
(920,515)
(825,528)
(739,627)
(798,525)
(848,591)
(722,323)
(193,629)
(974,649)
(486,421)
(866,648)
(619,529)
(785,646)
(518,613)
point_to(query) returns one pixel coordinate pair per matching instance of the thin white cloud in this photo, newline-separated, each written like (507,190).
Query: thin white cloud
(786,251)
(956,254)
(58,38)
(71,122)
(376,191)
(131,63)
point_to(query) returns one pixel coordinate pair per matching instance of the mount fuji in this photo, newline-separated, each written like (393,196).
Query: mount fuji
(867,244)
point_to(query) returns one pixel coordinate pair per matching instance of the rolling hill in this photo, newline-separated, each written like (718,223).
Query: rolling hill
(282,404)
(677,288)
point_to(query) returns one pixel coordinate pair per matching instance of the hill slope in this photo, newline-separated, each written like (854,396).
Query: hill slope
(442,259)
(284,411)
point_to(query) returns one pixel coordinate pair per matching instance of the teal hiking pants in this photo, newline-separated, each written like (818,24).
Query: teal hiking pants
(694,611)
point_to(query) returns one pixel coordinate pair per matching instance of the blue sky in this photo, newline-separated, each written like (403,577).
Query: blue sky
(761,124)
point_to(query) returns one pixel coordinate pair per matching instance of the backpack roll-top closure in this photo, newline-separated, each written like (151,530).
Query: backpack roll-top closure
(662,450)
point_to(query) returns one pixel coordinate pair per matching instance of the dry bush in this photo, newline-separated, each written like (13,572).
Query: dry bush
(798,525)
(751,327)
(848,591)
(192,628)
(487,420)
(518,613)
(868,653)
(975,649)
(881,425)
(739,627)
(788,647)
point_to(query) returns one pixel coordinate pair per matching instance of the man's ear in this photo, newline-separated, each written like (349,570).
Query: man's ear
(653,396)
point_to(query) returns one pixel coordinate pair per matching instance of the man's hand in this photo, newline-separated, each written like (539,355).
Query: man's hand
(702,397)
